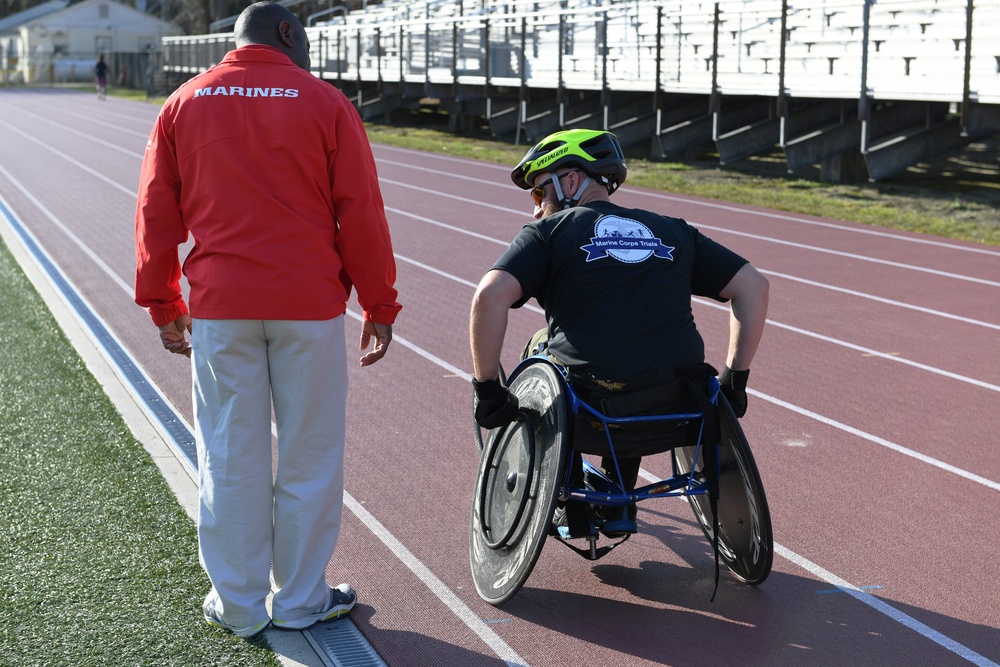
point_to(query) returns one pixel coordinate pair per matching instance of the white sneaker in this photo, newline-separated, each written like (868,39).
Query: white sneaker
(213,618)
(341,602)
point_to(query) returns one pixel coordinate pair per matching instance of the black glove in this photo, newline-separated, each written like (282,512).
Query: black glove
(496,406)
(734,387)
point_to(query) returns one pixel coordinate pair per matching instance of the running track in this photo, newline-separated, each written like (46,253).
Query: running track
(875,401)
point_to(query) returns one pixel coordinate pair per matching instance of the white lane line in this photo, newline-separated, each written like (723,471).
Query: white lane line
(812,283)
(444,225)
(451,276)
(890,302)
(817,223)
(886,609)
(864,350)
(735,208)
(436,586)
(875,603)
(74,162)
(804,332)
(68,232)
(89,136)
(526,216)
(712,304)
(851,255)
(882,442)
(91,120)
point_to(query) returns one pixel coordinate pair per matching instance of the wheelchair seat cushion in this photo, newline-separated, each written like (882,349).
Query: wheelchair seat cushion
(683,390)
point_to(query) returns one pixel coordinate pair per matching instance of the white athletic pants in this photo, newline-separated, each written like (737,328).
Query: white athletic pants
(248,526)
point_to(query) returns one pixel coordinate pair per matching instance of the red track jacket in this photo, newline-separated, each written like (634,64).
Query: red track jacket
(271,172)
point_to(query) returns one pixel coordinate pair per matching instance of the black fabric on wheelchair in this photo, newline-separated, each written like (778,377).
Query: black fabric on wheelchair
(683,390)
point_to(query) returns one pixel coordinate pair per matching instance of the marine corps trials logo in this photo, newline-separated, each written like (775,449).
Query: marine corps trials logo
(626,240)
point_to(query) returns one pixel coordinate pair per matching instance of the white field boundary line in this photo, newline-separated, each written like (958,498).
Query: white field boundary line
(735,208)
(757,237)
(509,655)
(447,597)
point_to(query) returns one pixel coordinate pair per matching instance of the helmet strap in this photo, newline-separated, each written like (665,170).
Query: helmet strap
(569,202)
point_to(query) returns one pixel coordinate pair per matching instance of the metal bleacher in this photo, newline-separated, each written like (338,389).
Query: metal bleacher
(863,88)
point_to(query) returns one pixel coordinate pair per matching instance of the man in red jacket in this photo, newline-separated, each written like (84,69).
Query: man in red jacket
(271,172)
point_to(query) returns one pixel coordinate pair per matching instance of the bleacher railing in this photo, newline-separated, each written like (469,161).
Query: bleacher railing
(934,50)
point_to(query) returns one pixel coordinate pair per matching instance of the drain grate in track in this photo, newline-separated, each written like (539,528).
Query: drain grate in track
(341,644)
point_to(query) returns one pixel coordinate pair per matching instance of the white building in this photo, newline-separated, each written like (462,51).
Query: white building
(55,42)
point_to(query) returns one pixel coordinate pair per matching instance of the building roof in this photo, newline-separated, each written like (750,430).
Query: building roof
(86,15)
(10,24)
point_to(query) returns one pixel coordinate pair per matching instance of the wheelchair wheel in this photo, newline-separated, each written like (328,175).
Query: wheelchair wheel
(746,544)
(517,485)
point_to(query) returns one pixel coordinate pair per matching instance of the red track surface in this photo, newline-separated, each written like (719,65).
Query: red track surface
(879,369)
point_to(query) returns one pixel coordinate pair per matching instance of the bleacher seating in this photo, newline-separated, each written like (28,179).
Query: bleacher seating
(916,49)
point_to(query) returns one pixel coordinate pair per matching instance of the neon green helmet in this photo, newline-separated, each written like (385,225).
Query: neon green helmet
(595,152)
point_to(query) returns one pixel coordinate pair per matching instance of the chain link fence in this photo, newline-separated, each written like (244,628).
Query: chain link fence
(136,71)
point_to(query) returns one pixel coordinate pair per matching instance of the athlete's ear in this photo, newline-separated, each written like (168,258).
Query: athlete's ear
(286,34)
(576,179)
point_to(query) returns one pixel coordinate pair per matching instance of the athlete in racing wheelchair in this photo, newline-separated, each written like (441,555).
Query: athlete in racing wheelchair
(618,373)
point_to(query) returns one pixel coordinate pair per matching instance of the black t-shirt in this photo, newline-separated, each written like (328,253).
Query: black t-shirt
(616,286)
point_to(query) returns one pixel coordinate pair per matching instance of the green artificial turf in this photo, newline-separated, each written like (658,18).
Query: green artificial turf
(98,561)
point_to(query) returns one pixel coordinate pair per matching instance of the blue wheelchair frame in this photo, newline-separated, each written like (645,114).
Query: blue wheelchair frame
(614,494)
(680,484)
(510,521)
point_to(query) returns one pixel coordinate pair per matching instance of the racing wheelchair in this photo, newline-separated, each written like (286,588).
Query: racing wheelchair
(536,464)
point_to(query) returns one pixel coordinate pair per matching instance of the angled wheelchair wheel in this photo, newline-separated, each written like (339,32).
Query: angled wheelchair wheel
(746,544)
(517,485)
